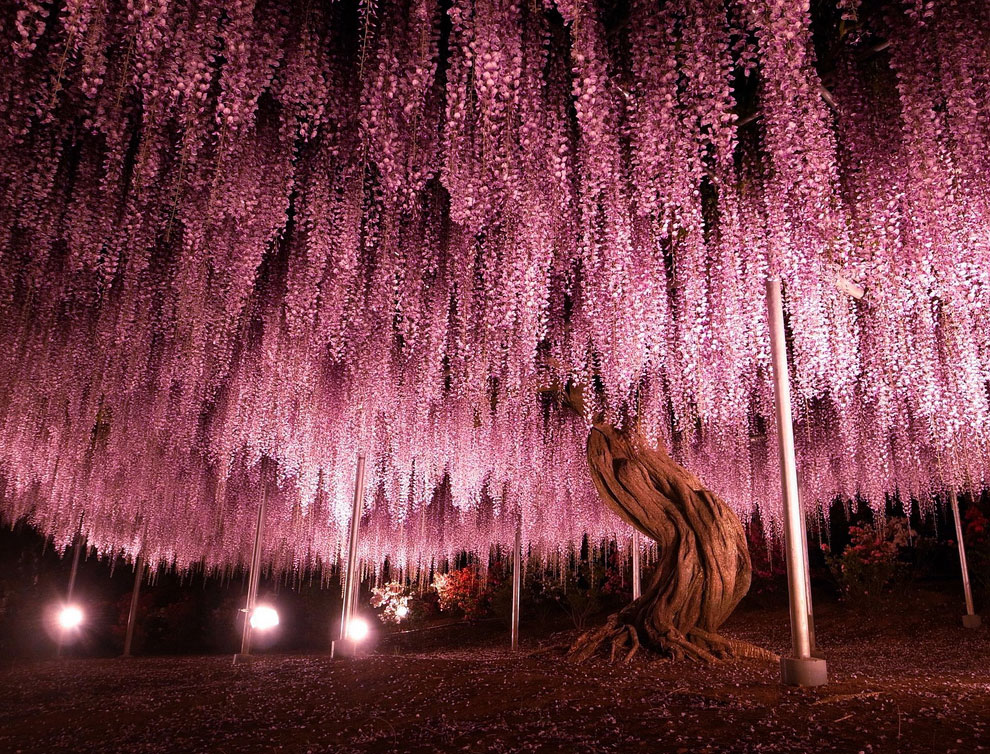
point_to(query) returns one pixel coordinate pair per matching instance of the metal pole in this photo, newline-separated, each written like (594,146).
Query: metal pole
(255,573)
(132,613)
(350,585)
(807,583)
(800,669)
(636,578)
(971,619)
(516,582)
(76,549)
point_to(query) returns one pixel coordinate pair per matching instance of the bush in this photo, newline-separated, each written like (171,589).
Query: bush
(464,591)
(769,576)
(976,535)
(870,562)
(392,600)
(597,585)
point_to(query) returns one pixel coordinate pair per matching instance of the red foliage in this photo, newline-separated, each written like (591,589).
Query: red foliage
(976,527)
(465,591)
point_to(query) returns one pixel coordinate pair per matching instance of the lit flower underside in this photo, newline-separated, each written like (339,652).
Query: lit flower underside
(230,231)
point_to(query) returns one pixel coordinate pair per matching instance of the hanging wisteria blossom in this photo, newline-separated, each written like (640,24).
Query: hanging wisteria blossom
(243,240)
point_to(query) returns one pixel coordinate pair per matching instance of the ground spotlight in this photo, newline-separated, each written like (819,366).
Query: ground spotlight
(357,629)
(264,617)
(70,617)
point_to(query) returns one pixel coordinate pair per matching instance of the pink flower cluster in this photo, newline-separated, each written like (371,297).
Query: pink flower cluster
(243,240)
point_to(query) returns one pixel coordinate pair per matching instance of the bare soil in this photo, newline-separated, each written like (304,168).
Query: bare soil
(905,677)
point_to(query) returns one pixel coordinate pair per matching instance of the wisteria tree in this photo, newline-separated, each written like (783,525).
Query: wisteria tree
(235,230)
(704,567)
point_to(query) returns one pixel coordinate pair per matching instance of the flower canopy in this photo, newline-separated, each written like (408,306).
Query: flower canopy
(242,241)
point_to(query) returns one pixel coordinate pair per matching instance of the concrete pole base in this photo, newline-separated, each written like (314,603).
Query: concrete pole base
(972,621)
(799,671)
(348,648)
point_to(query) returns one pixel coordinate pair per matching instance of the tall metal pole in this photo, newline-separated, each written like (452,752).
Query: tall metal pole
(636,578)
(255,573)
(801,669)
(73,572)
(970,619)
(516,582)
(350,582)
(807,583)
(132,612)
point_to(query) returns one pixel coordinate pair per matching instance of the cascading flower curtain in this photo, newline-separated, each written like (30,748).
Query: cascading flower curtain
(296,230)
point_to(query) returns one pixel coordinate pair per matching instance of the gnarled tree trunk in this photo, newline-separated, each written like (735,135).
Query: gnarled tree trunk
(704,567)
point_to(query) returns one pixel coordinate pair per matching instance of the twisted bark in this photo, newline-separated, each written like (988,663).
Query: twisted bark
(704,568)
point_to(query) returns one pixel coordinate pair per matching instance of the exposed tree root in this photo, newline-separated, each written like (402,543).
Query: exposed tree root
(699,645)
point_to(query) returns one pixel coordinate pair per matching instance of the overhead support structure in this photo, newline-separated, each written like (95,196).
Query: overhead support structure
(254,574)
(516,582)
(132,612)
(350,580)
(801,669)
(637,583)
(970,619)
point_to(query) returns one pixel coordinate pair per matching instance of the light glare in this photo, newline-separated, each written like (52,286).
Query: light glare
(264,617)
(357,629)
(401,611)
(70,617)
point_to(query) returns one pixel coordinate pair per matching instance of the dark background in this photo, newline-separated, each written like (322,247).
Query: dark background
(196,612)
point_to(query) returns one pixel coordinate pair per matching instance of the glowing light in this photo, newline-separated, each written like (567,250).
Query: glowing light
(70,617)
(358,629)
(264,618)
(401,611)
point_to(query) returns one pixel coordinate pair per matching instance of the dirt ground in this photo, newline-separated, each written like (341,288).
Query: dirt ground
(905,677)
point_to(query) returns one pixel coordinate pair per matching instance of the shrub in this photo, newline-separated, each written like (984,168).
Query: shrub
(769,573)
(464,591)
(393,600)
(976,535)
(870,561)
(595,586)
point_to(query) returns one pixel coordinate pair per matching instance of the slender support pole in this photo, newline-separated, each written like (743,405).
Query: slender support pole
(970,619)
(801,669)
(132,612)
(254,575)
(807,584)
(516,583)
(637,583)
(73,572)
(350,581)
